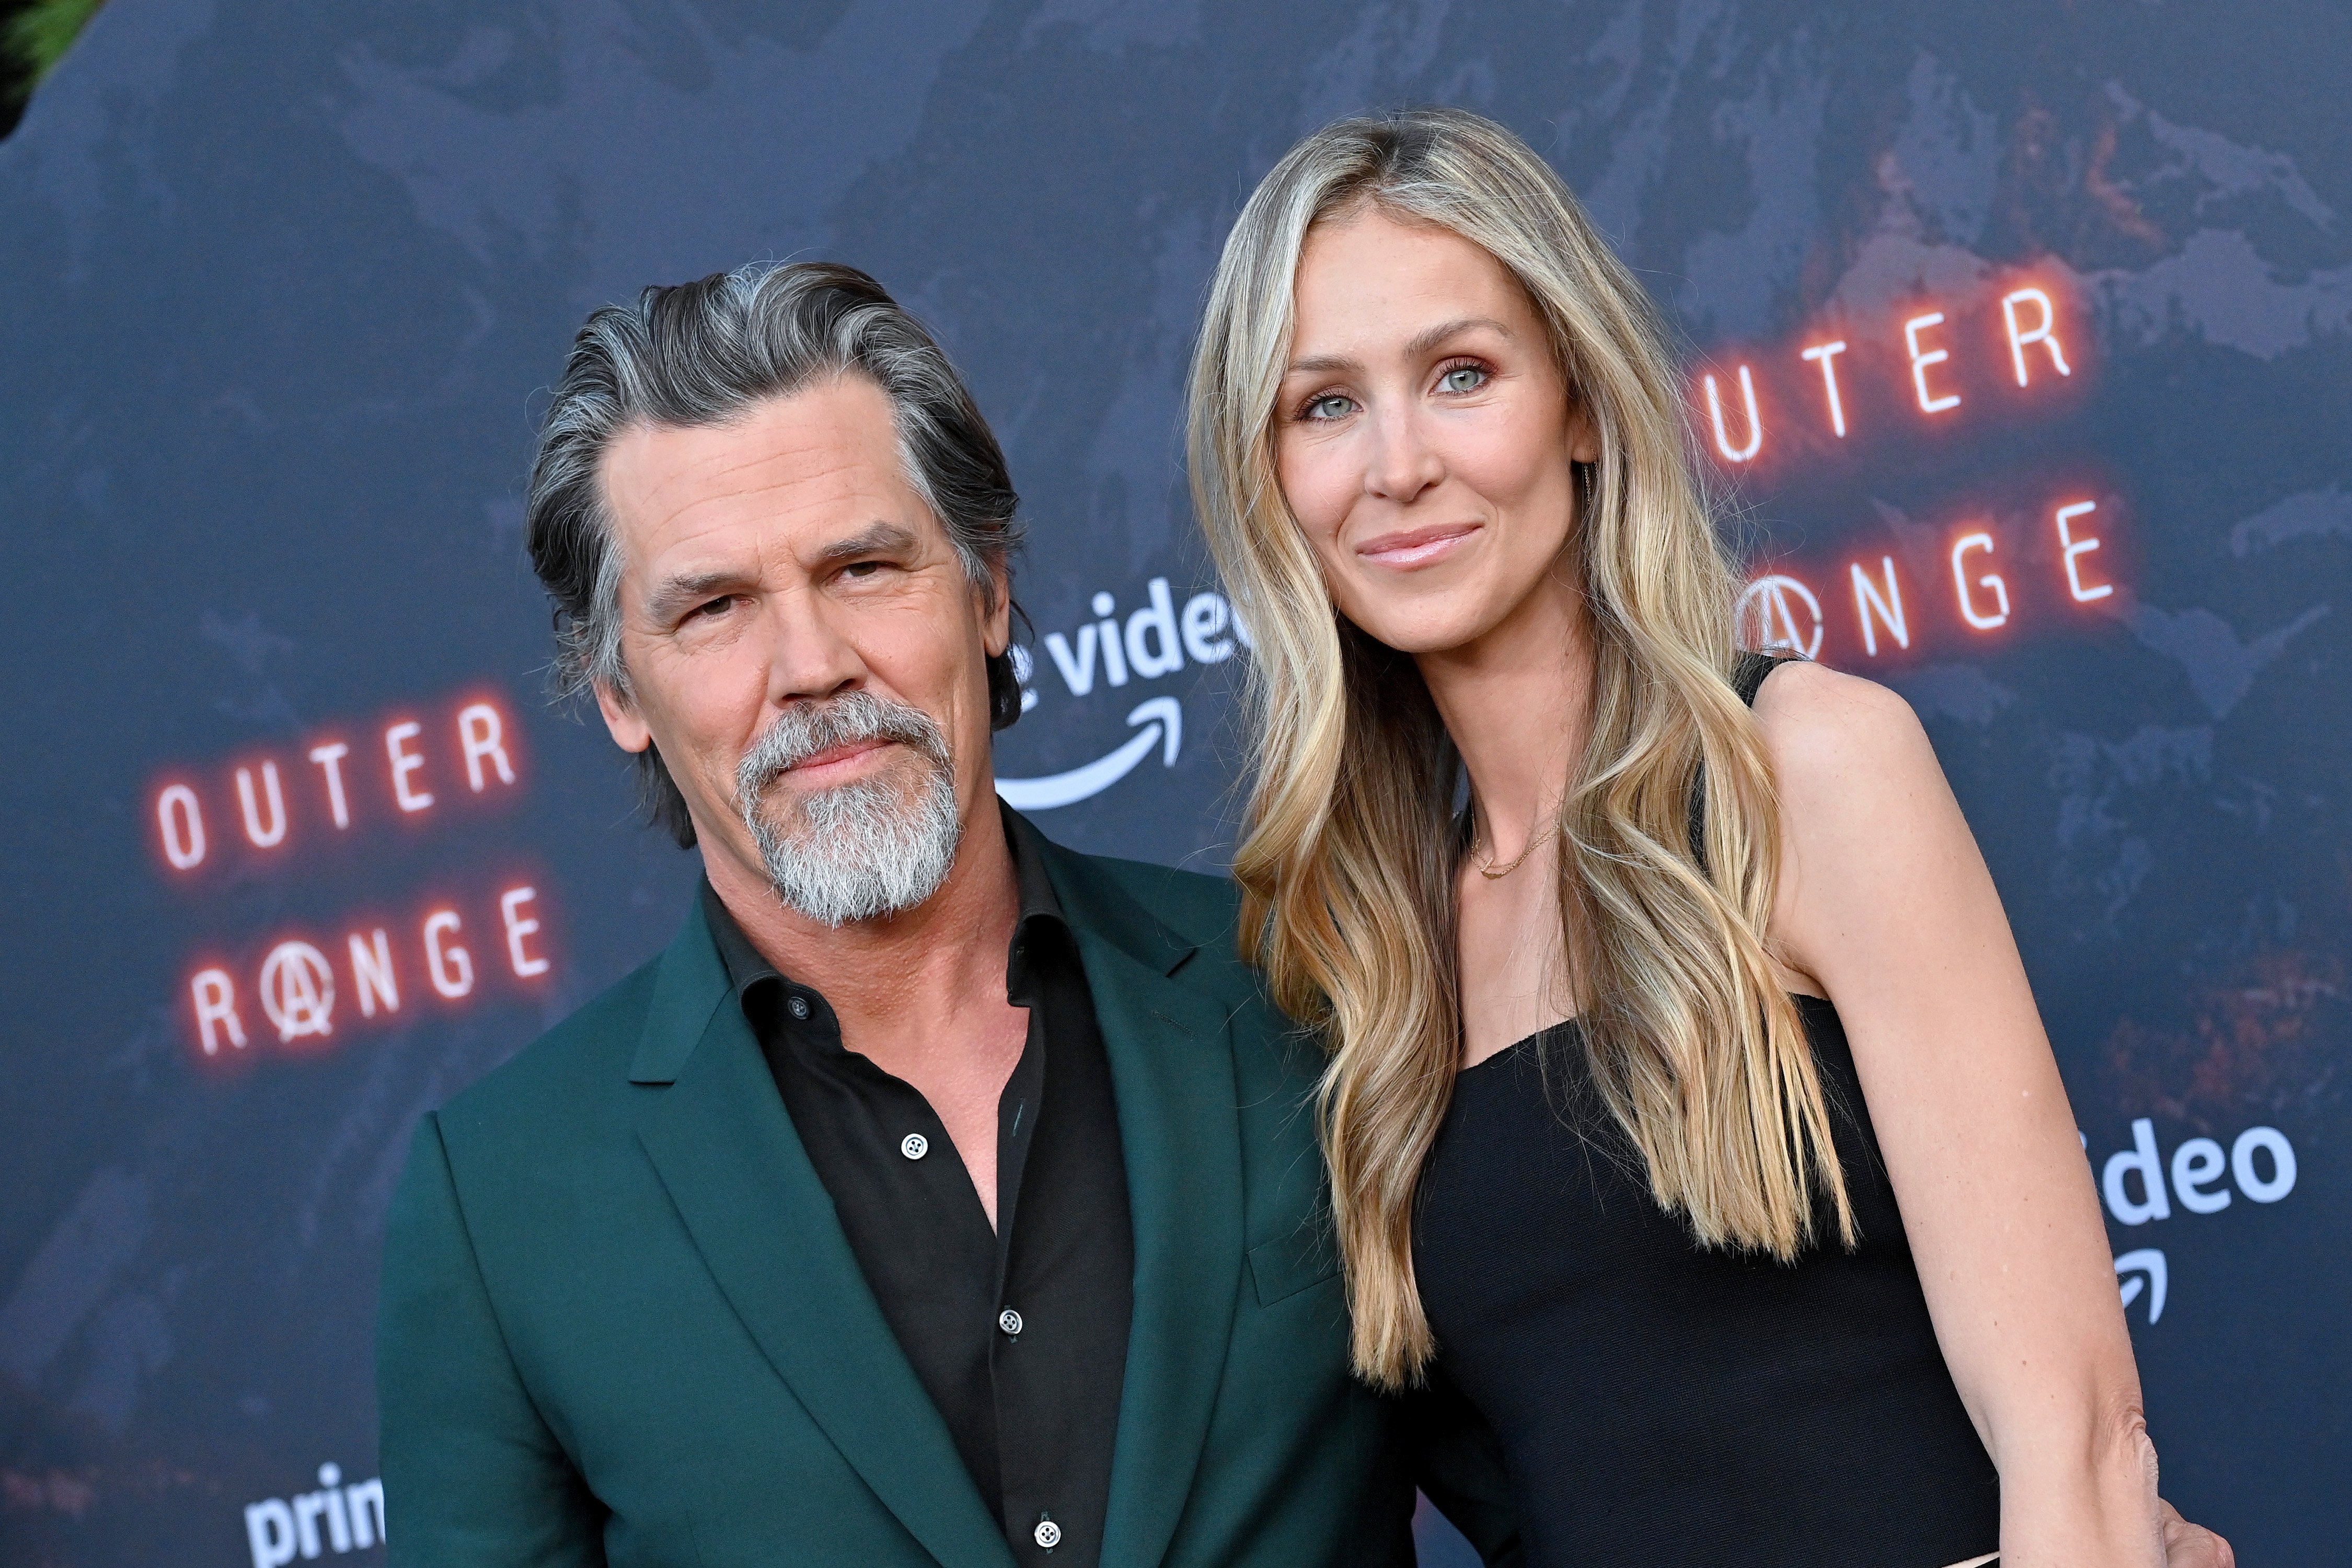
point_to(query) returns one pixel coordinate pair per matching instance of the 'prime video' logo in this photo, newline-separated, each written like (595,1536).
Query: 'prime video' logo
(335,1518)
(1148,644)
(2260,1162)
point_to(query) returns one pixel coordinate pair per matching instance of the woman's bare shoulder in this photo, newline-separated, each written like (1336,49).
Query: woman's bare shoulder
(1831,735)
(1878,868)
(1866,813)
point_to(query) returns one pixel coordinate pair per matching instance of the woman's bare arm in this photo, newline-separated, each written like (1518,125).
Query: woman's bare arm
(1885,904)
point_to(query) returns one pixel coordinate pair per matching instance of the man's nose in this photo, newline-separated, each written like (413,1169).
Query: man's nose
(809,655)
(1402,463)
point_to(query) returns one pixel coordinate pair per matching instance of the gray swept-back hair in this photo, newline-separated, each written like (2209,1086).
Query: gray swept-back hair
(703,354)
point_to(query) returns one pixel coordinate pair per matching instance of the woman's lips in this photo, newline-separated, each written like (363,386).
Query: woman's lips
(1414,547)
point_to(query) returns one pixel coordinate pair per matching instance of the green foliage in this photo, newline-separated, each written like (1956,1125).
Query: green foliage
(38,36)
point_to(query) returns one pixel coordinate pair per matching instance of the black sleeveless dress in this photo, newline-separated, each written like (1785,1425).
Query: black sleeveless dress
(1658,1403)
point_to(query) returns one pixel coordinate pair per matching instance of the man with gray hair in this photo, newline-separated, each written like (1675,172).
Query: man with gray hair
(938,1196)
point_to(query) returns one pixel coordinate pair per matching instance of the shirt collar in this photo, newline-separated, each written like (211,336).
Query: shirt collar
(1039,912)
(745,966)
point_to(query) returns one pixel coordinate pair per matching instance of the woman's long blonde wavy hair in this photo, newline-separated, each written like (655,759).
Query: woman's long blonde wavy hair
(1352,849)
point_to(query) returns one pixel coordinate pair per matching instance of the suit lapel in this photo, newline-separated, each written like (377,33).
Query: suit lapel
(1171,1054)
(726,1150)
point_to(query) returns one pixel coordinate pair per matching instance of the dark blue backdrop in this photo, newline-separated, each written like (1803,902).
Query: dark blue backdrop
(282,282)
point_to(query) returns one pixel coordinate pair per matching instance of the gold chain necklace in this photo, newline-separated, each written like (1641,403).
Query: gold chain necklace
(1535,842)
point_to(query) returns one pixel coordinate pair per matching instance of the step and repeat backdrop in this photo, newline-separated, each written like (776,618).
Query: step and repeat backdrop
(2021,337)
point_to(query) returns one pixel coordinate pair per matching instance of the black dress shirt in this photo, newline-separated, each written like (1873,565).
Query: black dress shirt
(1019,1334)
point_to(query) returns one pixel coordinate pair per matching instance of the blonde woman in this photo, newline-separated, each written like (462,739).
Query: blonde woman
(1687,1110)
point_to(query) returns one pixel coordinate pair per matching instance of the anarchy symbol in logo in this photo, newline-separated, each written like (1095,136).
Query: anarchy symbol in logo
(298,991)
(1767,615)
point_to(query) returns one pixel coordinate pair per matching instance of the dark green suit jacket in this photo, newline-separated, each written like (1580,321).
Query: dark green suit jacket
(621,1324)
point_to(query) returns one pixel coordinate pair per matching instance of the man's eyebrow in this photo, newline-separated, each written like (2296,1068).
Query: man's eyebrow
(672,596)
(875,539)
(1421,343)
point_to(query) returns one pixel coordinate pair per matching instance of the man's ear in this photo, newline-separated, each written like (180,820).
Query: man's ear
(628,728)
(996,624)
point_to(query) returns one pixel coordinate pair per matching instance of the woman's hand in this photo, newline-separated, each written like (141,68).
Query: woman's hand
(2188,1545)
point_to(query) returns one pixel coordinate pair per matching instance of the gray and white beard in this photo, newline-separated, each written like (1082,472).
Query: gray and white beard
(865,849)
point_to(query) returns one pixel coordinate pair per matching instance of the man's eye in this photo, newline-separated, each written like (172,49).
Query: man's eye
(712,609)
(858,570)
(1331,406)
(1462,378)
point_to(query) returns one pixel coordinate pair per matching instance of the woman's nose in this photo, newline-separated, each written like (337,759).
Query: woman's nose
(1402,463)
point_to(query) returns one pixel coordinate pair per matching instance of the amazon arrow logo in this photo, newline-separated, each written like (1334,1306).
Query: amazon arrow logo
(1163,718)
(2146,1261)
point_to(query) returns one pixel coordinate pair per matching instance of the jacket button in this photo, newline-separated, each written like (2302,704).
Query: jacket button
(1048,1534)
(798,1008)
(913,1146)
(1009,1322)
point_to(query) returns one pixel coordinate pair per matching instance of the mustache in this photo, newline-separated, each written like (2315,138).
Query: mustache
(804,730)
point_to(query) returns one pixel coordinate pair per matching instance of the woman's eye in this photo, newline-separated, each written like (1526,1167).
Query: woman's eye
(1331,406)
(1462,378)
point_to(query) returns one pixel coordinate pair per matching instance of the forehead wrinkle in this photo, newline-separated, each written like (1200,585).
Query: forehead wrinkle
(739,476)
(735,469)
(690,520)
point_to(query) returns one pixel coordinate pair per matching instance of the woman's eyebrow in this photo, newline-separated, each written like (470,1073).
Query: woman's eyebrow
(1321,364)
(1423,341)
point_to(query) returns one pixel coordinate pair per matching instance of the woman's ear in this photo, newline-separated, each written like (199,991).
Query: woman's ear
(1583,433)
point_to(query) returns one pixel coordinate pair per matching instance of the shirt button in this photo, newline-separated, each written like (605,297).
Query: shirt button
(797,1007)
(913,1146)
(1009,1322)
(1048,1534)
